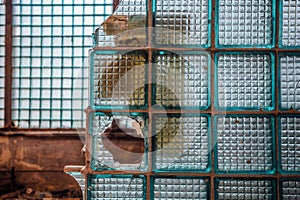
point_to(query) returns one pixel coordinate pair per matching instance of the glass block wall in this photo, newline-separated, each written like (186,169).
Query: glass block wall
(210,94)
(208,98)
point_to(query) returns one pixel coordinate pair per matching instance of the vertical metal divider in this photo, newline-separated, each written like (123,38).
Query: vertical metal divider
(212,96)
(149,29)
(87,169)
(277,27)
(8,65)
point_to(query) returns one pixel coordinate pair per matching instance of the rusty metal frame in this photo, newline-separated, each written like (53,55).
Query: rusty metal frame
(8,65)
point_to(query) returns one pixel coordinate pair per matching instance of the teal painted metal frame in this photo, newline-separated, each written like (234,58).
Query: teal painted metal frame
(272,60)
(273,148)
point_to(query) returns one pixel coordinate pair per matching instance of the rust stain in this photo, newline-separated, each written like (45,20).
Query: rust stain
(5,156)
(4,140)
(27,165)
(20,160)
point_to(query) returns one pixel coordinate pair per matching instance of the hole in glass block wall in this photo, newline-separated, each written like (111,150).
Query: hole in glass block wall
(119,141)
(125,134)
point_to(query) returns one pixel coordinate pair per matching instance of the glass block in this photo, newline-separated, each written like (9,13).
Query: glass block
(289,84)
(244,23)
(245,81)
(119,141)
(2,62)
(80,179)
(245,144)
(290,189)
(182,81)
(181,142)
(118,79)
(289,127)
(180,188)
(126,27)
(116,187)
(182,23)
(289,23)
(245,189)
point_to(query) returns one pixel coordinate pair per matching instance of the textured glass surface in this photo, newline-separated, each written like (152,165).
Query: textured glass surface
(80,180)
(126,27)
(118,79)
(245,23)
(181,143)
(245,81)
(180,22)
(182,81)
(289,81)
(290,143)
(290,26)
(180,188)
(290,190)
(245,189)
(2,63)
(115,188)
(50,49)
(244,143)
(115,152)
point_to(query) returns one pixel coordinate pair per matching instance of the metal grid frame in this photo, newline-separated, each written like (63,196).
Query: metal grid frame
(212,176)
(46,52)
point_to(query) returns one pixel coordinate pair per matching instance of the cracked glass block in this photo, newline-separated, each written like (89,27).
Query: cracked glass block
(289,81)
(118,79)
(182,22)
(181,142)
(290,143)
(126,27)
(290,26)
(245,81)
(290,189)
(103,187)
(182,80)
(118,141)
(245,189)
(245,23)
(244,144)
(181,188)
(80,180)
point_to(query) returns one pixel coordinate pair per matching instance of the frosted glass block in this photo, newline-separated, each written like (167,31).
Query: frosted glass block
(245,144)
(181,188)
(118,141)
(245,189)
(125,27)
(290,189)
(245,23)
(289,81)
(290,143)
(289,22)
(80,179)
(181,143)
(103,187)
(180,22)
(182,80)
(118,79)
(245,81)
